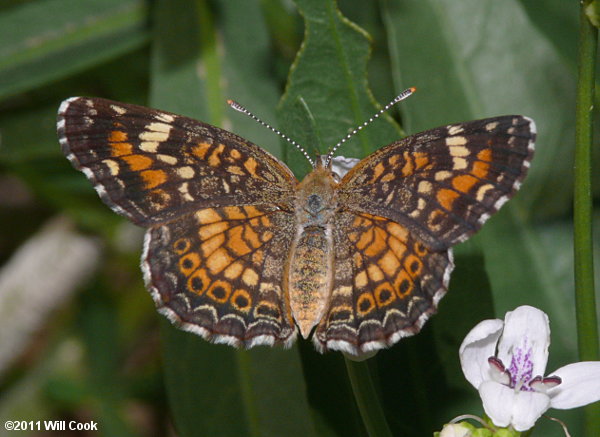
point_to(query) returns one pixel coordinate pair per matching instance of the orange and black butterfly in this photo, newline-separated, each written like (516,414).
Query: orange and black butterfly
(239,251)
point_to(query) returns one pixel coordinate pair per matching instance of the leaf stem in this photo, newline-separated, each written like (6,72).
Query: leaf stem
(367,399)
(587,322)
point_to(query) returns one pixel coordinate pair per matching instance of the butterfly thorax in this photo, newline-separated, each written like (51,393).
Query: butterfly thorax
(316,198)
(310,265)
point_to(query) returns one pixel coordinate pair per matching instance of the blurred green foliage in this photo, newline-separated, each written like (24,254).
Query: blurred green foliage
(315,69)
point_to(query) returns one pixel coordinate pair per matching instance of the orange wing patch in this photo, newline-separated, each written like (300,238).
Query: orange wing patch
(384,262)
(230,241)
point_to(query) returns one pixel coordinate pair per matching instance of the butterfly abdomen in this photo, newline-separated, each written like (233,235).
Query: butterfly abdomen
(310,276)
(309,272)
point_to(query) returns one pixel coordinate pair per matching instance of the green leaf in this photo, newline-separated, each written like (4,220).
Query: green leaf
(326,97)
(481,58)
(328,84)
(46,40)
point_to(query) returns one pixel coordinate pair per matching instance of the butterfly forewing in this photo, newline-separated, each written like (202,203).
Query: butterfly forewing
(443,184)
(152,166)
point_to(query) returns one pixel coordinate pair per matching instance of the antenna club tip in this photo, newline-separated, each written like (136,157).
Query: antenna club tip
(413,89)
(235,105)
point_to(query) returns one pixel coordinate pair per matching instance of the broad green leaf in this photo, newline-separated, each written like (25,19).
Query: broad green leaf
(100,335)
(481,58)
(30,151)
(327,94)
(558,21)
(45,40)
(215,390)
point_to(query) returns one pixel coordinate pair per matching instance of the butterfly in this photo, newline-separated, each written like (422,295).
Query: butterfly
(238,251)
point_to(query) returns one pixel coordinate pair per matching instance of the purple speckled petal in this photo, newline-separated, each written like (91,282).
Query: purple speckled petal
(524,342)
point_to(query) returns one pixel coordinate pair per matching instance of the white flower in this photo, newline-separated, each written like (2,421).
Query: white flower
(506,363)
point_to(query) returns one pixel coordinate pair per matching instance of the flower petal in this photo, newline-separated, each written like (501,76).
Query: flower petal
(526,329)
(497,402)
(527,409)
(477,347)
(505,406)
(580,385)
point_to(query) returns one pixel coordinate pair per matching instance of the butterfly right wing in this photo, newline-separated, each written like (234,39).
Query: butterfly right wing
(443,184)
(386,285)
(152,166)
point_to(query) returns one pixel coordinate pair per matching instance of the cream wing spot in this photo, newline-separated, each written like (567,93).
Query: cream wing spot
(459,151)
(186,172)
(168,118)
(442,175)
(481,192)
(250,277)
(425,187)
(149,146)
(119,110)
(421,204)
(167,159)
(160,127)
(456,141)
(360,280)
(208,215)
(491,126)
(455,129)
(343,291)
(459,163)
(113,167)
(155,136)
(184,190)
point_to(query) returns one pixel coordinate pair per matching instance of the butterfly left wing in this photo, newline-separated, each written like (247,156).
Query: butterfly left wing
(219,273)
(216,206)
(443,184)
(152,166)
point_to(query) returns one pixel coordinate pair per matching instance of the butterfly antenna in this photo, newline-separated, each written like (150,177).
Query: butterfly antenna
(403,95)
(235,105)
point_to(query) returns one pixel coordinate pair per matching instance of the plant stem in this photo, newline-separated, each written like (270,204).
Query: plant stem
(584,268)
(367,399)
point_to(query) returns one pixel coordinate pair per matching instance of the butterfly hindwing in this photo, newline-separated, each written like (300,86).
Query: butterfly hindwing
(386,285)
(218,273)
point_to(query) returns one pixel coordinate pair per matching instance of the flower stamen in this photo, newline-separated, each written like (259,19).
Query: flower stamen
(542,385)
(498,371)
